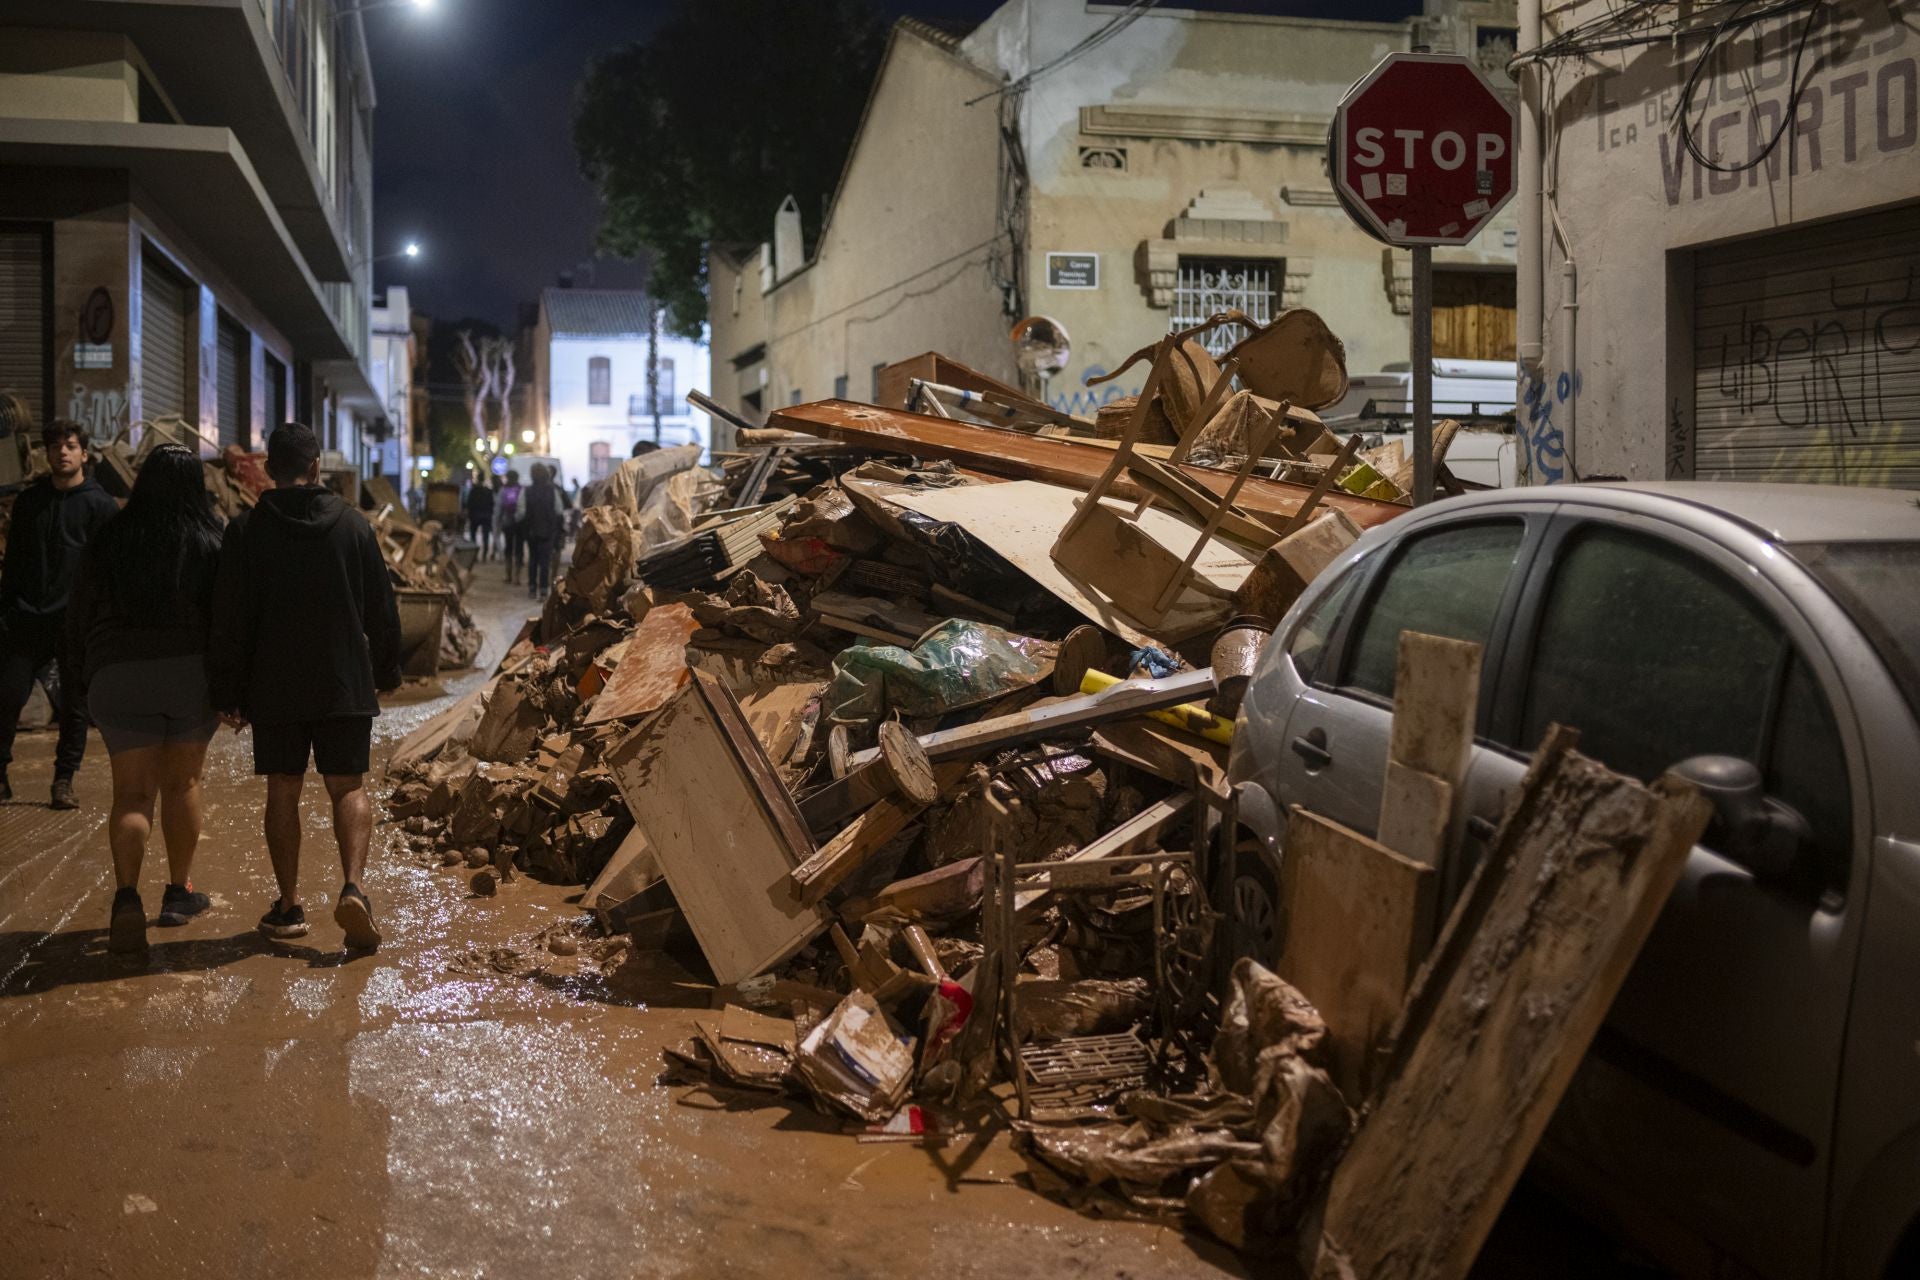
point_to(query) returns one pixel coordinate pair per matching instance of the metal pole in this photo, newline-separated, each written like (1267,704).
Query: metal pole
(1422,375)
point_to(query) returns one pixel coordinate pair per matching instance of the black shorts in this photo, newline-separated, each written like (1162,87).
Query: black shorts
(340,747)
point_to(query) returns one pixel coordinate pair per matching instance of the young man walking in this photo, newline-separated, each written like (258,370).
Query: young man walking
(305,633)
(480,516)
(53,520)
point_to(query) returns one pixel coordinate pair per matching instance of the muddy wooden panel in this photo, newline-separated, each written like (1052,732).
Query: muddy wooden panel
(1503,1012)
(1436,693)
(1415,810)
(653,668)
(1019,456)
(1353,910)
(865,836)
(724,855)
(631,870)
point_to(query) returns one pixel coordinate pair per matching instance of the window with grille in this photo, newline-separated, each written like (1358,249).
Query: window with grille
(599,380)
(1208,286)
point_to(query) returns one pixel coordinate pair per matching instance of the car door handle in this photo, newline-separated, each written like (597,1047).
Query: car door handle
(1313,749)
(1482,829)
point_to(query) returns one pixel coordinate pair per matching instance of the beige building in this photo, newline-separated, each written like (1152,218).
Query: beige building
(1747,308)
(1176,169)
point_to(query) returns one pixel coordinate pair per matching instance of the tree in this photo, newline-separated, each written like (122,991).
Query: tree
(696,134)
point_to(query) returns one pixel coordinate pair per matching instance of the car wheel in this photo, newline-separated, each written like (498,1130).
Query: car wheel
(1254,909)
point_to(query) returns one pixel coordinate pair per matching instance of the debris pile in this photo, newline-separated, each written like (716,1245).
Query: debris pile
(913,734)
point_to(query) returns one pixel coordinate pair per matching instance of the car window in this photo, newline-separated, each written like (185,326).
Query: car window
(1447,583)
(1807,768)
(1309,643)
(1651,653)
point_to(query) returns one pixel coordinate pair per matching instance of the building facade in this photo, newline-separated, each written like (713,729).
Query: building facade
(1177,170)
(590,400)
(1724,283)
(186,217)
(391,359)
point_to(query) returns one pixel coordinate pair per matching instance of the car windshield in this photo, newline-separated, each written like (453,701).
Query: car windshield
(1878,583)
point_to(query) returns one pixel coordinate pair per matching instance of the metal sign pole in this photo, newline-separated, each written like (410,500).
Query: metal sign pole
(1422,375)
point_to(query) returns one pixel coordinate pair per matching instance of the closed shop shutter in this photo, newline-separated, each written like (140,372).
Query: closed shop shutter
(23,316)
(233,409)
(1806,347)
(164,342)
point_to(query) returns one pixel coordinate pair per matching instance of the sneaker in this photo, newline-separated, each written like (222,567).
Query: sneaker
(127,934)
(6,791)
(180,903)
(63,797)
(353,913)
(284,922)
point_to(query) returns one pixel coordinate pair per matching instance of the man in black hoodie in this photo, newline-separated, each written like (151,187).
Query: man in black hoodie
(53,520)
(305,632)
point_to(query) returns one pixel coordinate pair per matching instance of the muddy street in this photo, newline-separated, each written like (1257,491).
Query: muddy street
(235,1107)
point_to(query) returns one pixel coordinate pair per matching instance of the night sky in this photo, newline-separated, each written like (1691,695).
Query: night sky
(473,150)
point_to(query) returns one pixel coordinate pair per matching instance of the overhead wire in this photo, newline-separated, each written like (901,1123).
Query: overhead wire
(1120,22)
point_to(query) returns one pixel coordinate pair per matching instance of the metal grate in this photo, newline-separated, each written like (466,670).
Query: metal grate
(1208,286)
(1111,1060)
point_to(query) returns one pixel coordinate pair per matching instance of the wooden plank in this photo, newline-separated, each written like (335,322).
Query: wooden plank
(1353,910)
(725,858)
(631,870)
(1017,455)
(841,856)
(1137,834)
(1164,753)
(1415,810)
(653,668)
(774,798)
(1436,694)
(425,742)
(1503,1012)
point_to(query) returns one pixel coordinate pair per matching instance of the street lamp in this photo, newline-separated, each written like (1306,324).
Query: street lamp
(411,251)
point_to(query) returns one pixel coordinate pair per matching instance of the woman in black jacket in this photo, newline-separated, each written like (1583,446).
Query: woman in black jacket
(137,627)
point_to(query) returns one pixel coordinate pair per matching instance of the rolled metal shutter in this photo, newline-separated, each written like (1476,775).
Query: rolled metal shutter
(1806,348)
(233,413)
(164,342)
(23,316)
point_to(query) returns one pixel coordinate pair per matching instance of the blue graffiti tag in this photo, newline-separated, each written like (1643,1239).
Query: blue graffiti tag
(1545,444)
(1087,401)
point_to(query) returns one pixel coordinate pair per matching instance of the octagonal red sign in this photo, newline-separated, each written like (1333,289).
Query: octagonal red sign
(1423,150)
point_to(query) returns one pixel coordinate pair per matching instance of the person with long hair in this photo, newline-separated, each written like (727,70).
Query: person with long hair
(137,633)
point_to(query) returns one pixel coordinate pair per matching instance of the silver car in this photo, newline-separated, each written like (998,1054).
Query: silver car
(1754,1097)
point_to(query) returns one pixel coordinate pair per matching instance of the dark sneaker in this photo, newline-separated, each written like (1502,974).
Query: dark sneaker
(180,903)
(127,934)
(353,913)
(284,922)
(63,797)
(6,791)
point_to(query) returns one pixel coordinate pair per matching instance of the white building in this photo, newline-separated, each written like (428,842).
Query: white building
(390,364)
(590,395)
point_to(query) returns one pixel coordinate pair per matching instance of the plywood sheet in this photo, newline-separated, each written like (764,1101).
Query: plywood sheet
(1022,519)
(726,855)
(653,668)
(1353,910)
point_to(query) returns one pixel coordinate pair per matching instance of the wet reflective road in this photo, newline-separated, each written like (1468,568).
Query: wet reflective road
(233,1108)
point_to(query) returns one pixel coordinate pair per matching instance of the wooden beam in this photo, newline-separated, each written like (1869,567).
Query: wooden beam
(1056,460)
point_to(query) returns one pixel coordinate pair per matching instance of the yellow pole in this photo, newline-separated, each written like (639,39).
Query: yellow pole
(1190,717)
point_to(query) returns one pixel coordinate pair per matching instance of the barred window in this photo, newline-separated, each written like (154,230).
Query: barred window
(1208,286)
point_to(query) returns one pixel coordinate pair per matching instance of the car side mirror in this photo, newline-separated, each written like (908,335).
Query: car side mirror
(1748,826)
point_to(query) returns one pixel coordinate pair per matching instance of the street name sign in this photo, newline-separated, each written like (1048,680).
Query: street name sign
(1423,150)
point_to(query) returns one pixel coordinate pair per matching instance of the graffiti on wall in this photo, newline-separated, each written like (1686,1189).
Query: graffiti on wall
(102,412)
(1085,401)
(1542,409)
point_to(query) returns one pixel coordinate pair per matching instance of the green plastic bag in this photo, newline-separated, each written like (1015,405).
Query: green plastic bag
(956,664)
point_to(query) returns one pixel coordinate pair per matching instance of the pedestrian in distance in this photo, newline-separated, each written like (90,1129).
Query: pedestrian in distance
(306,633)
(508,509)
(480,515)
(137,627)
(54,518)
(543,523)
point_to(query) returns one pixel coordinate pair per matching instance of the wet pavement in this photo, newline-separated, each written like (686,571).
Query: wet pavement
(231,1107)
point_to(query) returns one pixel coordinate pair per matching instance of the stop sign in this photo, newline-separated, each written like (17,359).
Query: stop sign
(1423,149)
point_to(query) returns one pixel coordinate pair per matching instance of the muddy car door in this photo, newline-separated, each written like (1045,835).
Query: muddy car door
(1456,578)
(1709,1094)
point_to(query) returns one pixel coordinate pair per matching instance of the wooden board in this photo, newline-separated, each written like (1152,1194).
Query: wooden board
(776,712)
(426,741)
(1056,460)
(1164,753)
(632,870)
(653,668)
(1352,910)
(719,833)
(1021,521)
(1415,810)
(1436,693)
(1519,981)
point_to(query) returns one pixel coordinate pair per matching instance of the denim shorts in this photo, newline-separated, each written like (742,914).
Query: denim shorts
(151,702)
